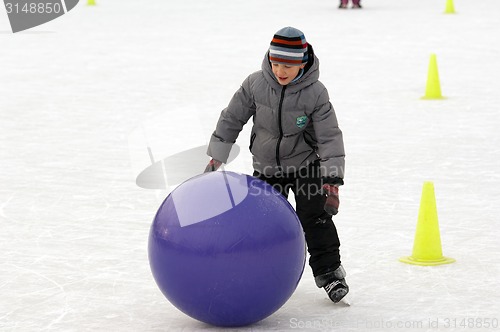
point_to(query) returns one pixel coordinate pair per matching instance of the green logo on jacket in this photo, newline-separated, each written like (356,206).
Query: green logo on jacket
(301,121)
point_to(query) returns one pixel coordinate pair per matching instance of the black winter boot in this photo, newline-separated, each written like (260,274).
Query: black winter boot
(334,284)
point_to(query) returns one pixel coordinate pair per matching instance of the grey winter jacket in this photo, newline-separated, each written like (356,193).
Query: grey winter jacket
(293,125)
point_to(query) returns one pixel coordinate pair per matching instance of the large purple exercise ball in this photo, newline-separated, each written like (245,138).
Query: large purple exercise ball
(226,249)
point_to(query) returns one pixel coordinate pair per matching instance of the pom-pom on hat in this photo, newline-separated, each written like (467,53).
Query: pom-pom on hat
(289,47)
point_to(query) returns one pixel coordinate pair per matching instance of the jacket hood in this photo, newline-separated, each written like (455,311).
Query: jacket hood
(311,73)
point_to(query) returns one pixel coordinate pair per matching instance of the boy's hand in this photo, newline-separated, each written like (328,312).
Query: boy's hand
(212,166)
(332,199)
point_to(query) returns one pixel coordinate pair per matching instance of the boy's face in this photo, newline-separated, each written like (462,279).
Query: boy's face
(285,73)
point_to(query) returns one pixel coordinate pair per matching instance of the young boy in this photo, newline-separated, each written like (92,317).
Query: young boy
(296,145)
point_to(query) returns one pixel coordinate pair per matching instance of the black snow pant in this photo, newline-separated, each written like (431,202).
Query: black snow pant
(321,235)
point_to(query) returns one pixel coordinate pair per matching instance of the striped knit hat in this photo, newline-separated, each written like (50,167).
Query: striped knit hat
(289,47)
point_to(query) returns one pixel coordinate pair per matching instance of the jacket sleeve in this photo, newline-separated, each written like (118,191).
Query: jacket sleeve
(329,138)
(231,122)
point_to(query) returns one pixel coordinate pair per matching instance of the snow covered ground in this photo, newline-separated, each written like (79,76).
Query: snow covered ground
(77,92)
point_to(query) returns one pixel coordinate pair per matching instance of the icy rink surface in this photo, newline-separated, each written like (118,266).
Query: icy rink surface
(75,93)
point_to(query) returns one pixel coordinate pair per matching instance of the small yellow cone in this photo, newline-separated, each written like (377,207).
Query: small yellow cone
(91,3)
(427,245)
(433,87)
(450,8)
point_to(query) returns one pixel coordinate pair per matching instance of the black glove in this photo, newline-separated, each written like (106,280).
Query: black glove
(212,166)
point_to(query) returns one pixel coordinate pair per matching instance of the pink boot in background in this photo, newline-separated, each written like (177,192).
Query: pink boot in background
(355,4)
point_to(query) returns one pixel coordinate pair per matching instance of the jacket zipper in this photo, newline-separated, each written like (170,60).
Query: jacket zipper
(278,162)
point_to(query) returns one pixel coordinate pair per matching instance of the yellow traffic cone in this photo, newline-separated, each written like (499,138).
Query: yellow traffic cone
(450,9)
(427,245)
(433,87)
(91,3)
